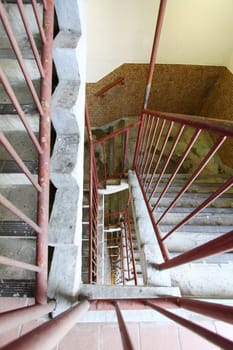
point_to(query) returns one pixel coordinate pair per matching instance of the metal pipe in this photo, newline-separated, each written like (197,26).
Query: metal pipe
(52,332)
(14,318)
(20,264)
(193,177)
(19,56)
(18,161)
(39,23)
(7,204)
(19,110)
(30,37)
(109,86)
(125,337)
(44,160)
(214,338)
(220,244)
(209,309)
(158,29)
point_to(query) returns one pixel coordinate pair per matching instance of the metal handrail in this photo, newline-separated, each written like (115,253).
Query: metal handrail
(42,144)
(117,81)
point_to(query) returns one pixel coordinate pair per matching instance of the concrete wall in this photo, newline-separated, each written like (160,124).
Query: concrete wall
(194,32)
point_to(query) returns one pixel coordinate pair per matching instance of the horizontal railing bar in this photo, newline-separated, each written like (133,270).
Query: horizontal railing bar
(221,127)
(37,16)
(7,204)
(30,37)
(13,318)
(19,56)
(109,86)
(19,161)
(220,244)
(19,110)
(211,336)
(117,132)
(16,263)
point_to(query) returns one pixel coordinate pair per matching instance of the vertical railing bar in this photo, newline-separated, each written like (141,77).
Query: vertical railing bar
(179,164)
(150,158)
(126,244)
(38,20)
(142,146)
(148,144)
(52,332)
(176,140)
(220,244)
(132,249)
(125,149)
(153,155)
(209,309)
(122,260)
(139,141)
(45,4)
(198,170)
(19,264)
(18,161)
(211,336)
(226,186)
(8,205)
(30,37)
(125,337)
(44,160)
(19,56)
(19,110)
(160,157)
(13,318)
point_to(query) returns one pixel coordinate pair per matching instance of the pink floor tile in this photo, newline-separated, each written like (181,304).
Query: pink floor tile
(12,303)
(191,341)
(27,327)
(159,337)
(9,336)
(111,338)
(83,337)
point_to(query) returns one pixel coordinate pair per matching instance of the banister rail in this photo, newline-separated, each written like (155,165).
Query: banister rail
(166,145)
(117,81)
(42,54)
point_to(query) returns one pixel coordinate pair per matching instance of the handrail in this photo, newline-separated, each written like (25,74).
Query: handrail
(117,81)
(159,136)
(42,103)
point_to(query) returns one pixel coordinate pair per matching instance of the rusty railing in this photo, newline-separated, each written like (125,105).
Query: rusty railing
(52,332)
(170,144)
(42,54)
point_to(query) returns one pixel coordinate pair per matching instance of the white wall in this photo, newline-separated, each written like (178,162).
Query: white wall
(194,32)
(230,65)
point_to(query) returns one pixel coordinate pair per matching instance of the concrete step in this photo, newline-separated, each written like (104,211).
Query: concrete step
(209,216)
(10,121)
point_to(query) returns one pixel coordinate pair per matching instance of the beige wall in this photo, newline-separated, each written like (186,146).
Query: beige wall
(194,32)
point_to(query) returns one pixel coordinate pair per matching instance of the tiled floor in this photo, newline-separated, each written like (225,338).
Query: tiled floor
(145,336)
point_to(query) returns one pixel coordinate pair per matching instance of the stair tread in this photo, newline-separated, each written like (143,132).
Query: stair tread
(17,288)
(11,167)
(16,229)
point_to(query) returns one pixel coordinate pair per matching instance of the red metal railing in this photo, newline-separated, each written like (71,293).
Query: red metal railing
(93,206)
(52,332)
(120,245)
(42,103)
(115,153)
(162,136)
(117,81)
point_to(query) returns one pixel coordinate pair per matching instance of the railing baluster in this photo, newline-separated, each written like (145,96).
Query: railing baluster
(146,127)
(211,336)
(198,170)
(19,56)
(8,205)
(125,337)
(19,110)
(38,20)
(147,144)
(18,160)
(30,37)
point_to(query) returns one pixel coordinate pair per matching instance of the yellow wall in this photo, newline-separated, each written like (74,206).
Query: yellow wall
(194,32)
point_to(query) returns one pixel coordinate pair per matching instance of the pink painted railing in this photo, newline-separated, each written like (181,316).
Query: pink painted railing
(167,143)
(42,103)
(52,332)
